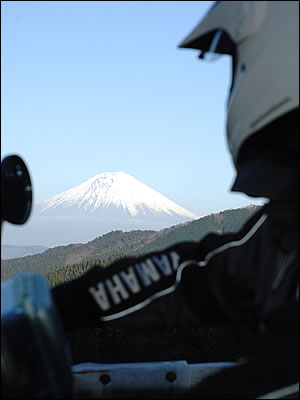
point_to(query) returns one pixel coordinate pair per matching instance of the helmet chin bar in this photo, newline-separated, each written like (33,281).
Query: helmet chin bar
(16,190)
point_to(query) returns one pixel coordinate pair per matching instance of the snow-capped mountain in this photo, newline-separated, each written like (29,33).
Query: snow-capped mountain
(117,195)
(104,203)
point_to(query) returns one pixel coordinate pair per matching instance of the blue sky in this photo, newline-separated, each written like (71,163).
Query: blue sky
(92,87)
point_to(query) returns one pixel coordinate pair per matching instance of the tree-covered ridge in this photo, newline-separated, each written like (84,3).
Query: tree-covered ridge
(70,272)
(65,263)
(104,246)
(233,220)
(223,222)
(193,231)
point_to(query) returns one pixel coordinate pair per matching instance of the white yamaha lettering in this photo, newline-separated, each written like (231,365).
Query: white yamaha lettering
(175,260)
(116,289)
(148,273)
(100,296)
(163,264)
(131,280)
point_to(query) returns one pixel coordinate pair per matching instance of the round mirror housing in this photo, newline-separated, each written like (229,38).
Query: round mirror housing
(16,190)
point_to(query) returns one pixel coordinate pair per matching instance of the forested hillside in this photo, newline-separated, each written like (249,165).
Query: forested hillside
(102,247)
(65,263)
(223,222)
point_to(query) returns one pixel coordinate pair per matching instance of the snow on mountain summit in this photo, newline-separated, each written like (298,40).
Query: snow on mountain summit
(113,193)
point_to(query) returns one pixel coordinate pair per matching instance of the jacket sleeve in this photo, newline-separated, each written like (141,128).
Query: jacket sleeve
(188,284)
(144,292)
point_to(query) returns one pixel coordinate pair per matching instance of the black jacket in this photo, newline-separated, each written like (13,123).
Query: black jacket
(250,277)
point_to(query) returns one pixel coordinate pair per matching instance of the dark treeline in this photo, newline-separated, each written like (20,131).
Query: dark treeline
(70,272)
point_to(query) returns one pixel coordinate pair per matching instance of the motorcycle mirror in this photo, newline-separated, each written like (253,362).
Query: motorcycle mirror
(16,190)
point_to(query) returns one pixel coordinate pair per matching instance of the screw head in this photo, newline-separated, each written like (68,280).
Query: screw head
(171,376)
(104,379)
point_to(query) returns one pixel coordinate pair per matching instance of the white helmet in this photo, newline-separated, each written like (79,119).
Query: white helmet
(263,39)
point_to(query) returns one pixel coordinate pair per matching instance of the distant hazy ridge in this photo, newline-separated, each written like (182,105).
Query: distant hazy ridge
(10,251)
